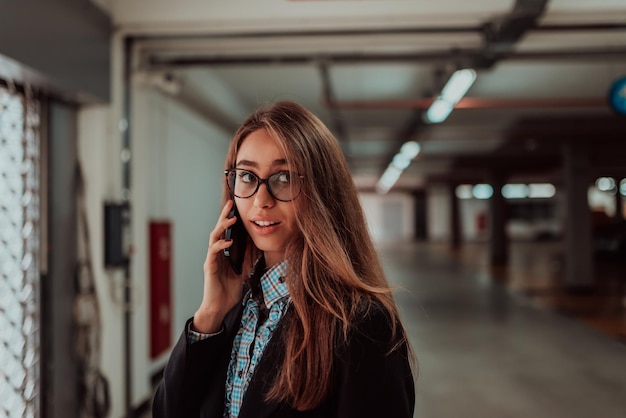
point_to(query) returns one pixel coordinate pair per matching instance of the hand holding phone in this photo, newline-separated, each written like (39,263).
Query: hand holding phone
(222,289)
(236,252)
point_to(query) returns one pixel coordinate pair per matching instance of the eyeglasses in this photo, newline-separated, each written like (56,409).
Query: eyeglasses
(284,185)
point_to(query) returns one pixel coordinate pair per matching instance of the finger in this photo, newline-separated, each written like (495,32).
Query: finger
(216,246)
(227,207)
(220,227)
(213,252)
(223,222)
(220,245)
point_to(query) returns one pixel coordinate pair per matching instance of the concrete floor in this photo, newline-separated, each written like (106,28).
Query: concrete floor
(487,348)
(487,351)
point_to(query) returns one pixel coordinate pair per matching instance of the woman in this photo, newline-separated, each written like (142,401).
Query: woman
(312,330)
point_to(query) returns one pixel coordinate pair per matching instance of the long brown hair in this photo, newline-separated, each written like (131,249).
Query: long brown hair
(334,272)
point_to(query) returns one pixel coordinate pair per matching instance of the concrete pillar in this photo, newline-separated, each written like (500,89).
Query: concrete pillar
(421,231)
(455,222)
(578,251)
(60,373)
(498,240)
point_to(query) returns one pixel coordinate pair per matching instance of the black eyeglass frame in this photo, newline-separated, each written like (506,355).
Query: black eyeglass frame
(260,181)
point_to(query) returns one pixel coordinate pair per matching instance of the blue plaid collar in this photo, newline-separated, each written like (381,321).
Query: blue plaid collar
(273,283)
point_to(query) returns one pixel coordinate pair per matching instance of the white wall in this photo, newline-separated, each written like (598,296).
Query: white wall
(469,211)
(220,15)
(391,218)
(438,214)
(177,163)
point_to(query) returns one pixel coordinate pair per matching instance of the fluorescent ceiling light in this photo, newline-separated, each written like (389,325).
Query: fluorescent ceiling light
(482,191)
(541,190)
(515,191)
(454,90)
(459,83)
(388,179)
(410,149)
(605,184)
(438,111)
(401,161)
(464,191)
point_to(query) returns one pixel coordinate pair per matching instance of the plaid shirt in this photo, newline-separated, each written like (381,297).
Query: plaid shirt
(254,333)
(258,323)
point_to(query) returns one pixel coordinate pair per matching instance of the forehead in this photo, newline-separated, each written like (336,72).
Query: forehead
(260,149)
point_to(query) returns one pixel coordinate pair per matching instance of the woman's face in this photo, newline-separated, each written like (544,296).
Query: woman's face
(271,223)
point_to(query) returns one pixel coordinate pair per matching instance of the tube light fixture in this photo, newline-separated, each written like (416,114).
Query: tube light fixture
(515,191)
(541,190)
(454,90)
(482,191)
(388,179)
(400,162)
(606,184)
(410,149)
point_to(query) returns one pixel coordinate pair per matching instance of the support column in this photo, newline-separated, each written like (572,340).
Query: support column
(578,251)
(60,376)
(420,232)
(498,240)
(455,224)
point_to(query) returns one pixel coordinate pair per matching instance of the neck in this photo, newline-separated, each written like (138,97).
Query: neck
(273,258)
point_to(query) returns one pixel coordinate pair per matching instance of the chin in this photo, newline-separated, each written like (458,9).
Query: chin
(265,246)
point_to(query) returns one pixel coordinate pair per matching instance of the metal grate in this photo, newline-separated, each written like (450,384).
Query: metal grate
(19,256)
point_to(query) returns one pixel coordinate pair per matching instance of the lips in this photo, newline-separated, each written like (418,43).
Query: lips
(264,226)
(265,223)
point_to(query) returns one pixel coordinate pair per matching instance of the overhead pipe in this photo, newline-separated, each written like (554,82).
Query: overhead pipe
(471,103)
(563,27)
(362,58)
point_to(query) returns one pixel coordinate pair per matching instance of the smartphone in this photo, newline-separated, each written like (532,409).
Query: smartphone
(236,252)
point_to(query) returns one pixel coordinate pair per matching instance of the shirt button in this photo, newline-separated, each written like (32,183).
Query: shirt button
(240,374)
(281,279)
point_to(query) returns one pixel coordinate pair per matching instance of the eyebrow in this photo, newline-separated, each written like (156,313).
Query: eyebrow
(248,163)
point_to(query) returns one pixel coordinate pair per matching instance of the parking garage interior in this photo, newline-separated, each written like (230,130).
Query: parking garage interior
(500,221)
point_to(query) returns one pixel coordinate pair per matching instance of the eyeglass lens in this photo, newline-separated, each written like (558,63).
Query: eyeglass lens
(283,185)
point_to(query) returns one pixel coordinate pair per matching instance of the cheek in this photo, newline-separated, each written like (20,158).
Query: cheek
(243,206)
(293,224)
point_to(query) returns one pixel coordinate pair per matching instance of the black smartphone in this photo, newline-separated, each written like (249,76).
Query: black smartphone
(236,252)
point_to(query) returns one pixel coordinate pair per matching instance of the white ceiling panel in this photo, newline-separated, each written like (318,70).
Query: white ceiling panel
(548,79)
(380,81)
(224,16)
(581,11)
(568,40)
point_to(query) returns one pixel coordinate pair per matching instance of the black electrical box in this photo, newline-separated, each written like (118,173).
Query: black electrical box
(116,234)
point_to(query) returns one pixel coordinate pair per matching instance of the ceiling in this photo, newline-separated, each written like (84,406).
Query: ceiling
(371,68)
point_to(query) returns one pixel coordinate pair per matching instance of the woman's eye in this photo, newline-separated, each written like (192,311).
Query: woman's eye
(283,177)
(247,177)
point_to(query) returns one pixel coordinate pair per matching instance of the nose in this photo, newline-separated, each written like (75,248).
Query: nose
(263,198)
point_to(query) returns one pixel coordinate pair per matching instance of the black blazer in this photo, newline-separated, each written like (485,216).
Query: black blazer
(367,381)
